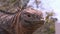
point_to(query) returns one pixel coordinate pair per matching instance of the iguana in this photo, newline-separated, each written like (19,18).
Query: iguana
(23,22)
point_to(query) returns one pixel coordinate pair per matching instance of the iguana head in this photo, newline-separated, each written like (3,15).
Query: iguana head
(31,19)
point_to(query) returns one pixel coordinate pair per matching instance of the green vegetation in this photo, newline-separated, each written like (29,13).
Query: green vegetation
(49,26)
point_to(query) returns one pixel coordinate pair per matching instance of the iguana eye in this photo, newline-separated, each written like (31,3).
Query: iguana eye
(28,15)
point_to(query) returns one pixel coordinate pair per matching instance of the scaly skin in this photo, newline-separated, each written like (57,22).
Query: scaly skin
(24,22)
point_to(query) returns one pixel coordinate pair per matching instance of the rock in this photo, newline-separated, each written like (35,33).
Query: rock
(10,6)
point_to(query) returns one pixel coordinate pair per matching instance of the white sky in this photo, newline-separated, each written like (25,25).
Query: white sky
(48,5)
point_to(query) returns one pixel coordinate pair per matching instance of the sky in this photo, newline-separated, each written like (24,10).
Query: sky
(48,5)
